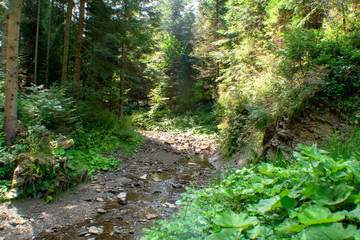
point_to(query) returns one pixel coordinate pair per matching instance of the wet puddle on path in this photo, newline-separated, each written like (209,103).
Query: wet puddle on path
(151,196)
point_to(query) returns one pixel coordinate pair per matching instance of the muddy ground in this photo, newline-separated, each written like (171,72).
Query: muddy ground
(118,204)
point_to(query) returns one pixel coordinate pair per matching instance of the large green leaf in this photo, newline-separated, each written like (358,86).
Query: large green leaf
(310,216)
(311,189)
(354,166)
(317,215)
(332,197)
(257,231)
(229,219)
(265,205)
(357,235)
(355,213)
(225,233)
(329,231)
(288,203)
(291,225)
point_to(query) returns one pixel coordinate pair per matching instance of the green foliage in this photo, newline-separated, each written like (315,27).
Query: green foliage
(100,130)
(109,26)
(48,107)
(343,145)
(108,141)
(175,81)
(202,120)
(176,90)
(280,58)
(90,160)
(304,201)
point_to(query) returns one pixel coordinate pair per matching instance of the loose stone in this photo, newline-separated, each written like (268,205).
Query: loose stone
(100,210)
(122,198)
(96,230)
(151,216)
(156,179)
(143,177)
(83,233)
(176,185)
(192,164)
(170,205)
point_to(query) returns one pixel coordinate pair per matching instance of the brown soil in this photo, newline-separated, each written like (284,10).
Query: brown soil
(153,179)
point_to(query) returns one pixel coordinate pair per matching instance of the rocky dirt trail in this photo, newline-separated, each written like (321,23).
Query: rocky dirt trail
(117,204)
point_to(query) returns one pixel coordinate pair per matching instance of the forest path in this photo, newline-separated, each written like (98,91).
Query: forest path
(152,178)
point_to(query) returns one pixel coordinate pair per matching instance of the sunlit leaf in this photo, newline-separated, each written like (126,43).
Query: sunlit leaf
(265,205)
(291,225)
(230,219)
(225,233)
(355,213)
(340,193)
(317,215)
(357,235)
(330,231)
(354,166)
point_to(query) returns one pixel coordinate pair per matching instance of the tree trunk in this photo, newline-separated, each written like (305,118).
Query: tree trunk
(48,44)
(123,55)
(216,87)
(79,48)
(4,45)
(343,16)
(37,42)
(217,64)
(66,43)
(10,114)
(122,79)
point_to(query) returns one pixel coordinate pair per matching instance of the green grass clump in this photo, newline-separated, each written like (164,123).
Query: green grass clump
(316,198)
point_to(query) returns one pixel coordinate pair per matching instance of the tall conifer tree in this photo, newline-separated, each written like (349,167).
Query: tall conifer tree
(64,72)
(11,91)
(79,47)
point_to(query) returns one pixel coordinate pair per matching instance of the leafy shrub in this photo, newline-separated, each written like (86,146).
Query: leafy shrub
(307,201)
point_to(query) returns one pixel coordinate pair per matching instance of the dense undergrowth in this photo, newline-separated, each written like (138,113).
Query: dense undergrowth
(314,196)
(202,120)
(59,144)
